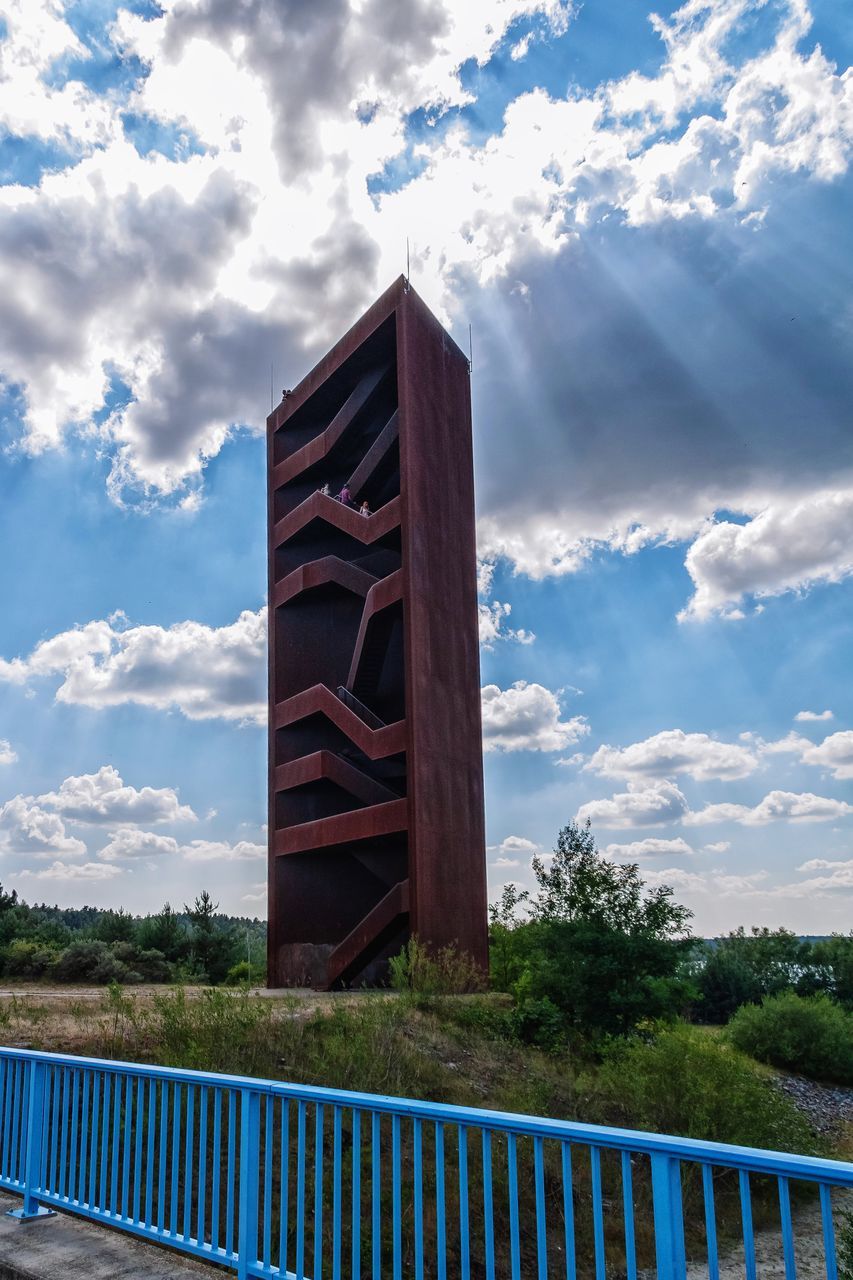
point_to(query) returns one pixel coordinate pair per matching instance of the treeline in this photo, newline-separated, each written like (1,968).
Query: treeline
(593,955)
(91,945)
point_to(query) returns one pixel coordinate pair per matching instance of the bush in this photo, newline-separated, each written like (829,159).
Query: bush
(806,1034)
(28,959)
(421,972)
(689,1083)
(246,975)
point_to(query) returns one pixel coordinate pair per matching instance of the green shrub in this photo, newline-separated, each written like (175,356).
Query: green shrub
(807,1034)
(28,959)
(244,974)
(417,970)
(688,1083)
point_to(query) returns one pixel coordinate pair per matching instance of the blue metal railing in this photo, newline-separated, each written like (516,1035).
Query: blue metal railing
(279,1180)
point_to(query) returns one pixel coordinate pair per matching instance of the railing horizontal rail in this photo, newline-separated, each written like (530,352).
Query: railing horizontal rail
(276,1179)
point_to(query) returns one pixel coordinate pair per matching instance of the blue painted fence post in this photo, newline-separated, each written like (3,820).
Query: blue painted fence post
(669,1218)
(32,1120)
(247,1204)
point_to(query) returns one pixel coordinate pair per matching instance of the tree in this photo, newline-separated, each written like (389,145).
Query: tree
(116,926)
(164,932)
(213,949)
(600,948)
(580,884)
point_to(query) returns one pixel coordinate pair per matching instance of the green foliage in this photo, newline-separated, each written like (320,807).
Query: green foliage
(689,1083)
(244,974)
(166,933)
(742,968)
(601,954)
(579,884)
(807,1034)
(832,961)
(421,972)
(116,926)
(213,949)
(27,958)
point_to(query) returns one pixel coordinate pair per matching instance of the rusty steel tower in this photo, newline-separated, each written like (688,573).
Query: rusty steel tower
(376,823)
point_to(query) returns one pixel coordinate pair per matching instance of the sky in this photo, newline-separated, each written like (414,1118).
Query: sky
(645,218)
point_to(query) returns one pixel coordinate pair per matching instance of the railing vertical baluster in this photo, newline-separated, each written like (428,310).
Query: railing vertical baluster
(541,1225)
(512,1173)
(746,1219)
(787,1229)
(247,1232)
(202,1163)
(149,1151)
(15,1169)
(318,1190)
(440,1221)
(33,1167)
(189,1144)
(230,1172)
(162,1154)
(568,1211)
(300,1190)
(92,1196)
(116,1144)
(84,1136)
(597,1213)
(137,1154)
(336,1196)
(62,1189)
(285,1184)
(464,1240)
(128,1138)
(216,1159)
(103,1191)
(669,1222)
(268,1150)
(53,1127)
(4,1125)
(396,1196)
(356,1195)
(376,1194)
(174,1185)
(628,1215)
(710,1222)
(828,1226)
(488,1206)
(418,1171)
(70,1187)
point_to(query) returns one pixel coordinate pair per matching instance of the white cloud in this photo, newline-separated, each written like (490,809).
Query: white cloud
(718,883)
(835,753)
(719,846)
(785,547)
(104,797)
(204,672)
(127,844)
(526,717)
(777,806)
(27,828)
(672,751)
(7,755)
(654,805)
(492,619)
(221,851)
(651,847)
(73,871)
(813,715)
(513,851)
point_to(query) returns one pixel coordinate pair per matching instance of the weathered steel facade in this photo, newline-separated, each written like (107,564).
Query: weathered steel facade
(375,756)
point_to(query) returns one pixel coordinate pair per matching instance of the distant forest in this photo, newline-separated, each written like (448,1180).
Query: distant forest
(197,943)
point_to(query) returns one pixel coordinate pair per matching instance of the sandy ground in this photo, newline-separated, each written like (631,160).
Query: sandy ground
(770,1265)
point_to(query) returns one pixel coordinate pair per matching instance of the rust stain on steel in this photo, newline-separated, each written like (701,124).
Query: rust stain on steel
(376,823)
